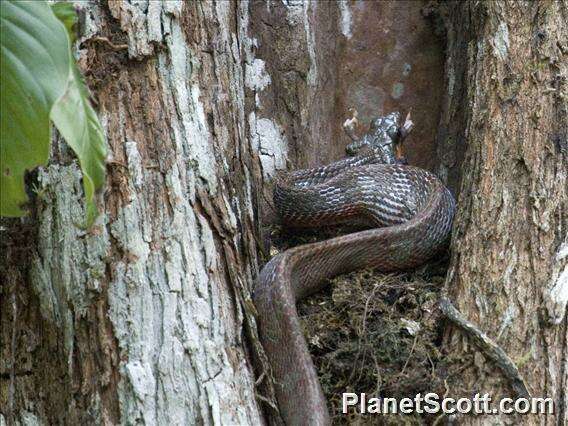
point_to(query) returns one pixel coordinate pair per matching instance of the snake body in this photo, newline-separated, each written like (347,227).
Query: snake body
(410,212)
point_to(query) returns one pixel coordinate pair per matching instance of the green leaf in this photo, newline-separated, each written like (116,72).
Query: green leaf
(78,124)
(34,69)
(65,12)
(40,80)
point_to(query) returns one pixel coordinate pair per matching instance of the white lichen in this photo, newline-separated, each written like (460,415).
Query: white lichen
(256,77)
(556,297)
(27,418)
(269,142)
(346,19)
(501,41)
(191,129)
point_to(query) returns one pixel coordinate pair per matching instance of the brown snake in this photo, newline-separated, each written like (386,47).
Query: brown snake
(411,213)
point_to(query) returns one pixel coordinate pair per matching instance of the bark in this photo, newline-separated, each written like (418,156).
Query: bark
(141,319)
(506,81)
(146,317)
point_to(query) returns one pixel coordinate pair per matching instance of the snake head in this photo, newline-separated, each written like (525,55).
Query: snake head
(381,139)
(385,127)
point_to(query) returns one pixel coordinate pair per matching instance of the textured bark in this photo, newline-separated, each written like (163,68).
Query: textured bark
(141,319)
(506,79)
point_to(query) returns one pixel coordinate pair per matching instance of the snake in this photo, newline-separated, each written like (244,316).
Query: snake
(407,215)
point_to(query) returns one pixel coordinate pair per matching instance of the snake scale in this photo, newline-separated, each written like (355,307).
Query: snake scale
(410,214)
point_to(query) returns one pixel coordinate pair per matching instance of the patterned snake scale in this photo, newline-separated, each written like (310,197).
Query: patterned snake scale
(410,212)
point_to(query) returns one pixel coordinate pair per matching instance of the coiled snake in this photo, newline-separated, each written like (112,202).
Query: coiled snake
(411,213)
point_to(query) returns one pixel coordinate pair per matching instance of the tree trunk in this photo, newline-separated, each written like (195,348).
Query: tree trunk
(506,79)
(146,317)
(141,319)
